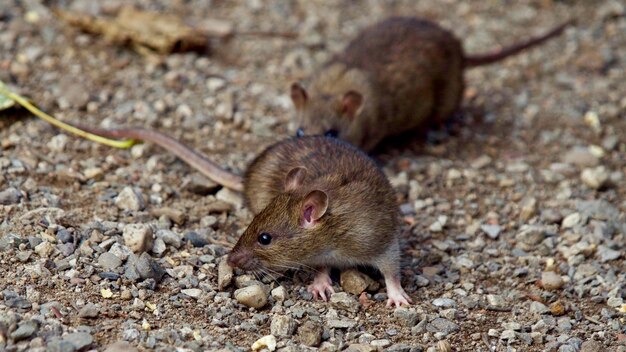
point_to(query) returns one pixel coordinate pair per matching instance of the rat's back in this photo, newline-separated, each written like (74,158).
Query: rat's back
(331,165)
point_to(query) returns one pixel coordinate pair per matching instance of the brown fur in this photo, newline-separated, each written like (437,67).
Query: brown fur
(360,225)
(409,72)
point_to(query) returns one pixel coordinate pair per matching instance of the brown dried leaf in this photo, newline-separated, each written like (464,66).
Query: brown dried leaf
(162,33)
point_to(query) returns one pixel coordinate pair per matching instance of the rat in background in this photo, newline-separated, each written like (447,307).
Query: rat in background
(395,76)
(318,202)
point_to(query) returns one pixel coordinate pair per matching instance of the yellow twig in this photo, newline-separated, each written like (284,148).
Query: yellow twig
(123,144)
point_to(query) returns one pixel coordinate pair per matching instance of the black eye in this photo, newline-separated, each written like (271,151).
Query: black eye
(331,133)
(299,132)
(265,238)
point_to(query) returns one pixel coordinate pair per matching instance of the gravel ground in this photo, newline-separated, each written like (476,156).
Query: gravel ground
(515,225)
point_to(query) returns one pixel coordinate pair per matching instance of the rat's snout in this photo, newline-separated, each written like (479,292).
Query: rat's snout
(240,258)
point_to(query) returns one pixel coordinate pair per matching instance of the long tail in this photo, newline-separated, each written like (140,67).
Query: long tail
(497,55)
(196,160)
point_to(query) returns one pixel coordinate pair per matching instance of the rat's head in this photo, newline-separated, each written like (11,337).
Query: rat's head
(332,115)
(286,232)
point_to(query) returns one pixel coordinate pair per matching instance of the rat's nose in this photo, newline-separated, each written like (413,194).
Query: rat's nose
(238,258)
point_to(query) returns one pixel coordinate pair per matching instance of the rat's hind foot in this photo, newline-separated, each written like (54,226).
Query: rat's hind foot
(396,293)
(321,284)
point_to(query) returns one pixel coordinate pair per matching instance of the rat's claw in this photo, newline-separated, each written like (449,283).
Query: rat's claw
(321,284)
(399,300)
(396,295)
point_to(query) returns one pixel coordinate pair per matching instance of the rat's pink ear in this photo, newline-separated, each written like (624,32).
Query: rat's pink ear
(314,207)
(351,103)
(298,95)
(294,178)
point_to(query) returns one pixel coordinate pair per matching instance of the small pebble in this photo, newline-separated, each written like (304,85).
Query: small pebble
(129,199)
(310,333)
(266,342)
(138,237)
(344,301)
(283,326)
(224,274)
(109,261)
(89,311)
(493,231)
(251,296)
(595,178)
(10,196)
(196,239)
(551,281)
(279,294)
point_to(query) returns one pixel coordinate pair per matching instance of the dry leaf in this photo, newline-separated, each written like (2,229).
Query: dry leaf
(162,33)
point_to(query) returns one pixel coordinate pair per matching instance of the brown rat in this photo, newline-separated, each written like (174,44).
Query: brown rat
(318,203)
(395,76)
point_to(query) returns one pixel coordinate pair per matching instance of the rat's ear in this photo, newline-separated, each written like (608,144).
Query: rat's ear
(298,95)
(314,207)
(351,103)
(294,178)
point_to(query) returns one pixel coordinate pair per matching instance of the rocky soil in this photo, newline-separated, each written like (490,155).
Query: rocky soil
(515,225)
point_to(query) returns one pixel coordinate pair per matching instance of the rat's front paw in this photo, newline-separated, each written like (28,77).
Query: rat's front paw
(321,284)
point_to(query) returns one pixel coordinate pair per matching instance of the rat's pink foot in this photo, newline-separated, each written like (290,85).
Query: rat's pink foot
(395,293)
(321,284)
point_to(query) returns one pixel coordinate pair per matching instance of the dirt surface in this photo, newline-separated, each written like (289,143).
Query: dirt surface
(515,224)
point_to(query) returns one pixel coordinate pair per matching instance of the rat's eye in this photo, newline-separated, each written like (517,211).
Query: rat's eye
(265,238)
(299,132)
(331,133)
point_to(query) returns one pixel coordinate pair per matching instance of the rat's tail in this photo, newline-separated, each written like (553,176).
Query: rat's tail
(196,160)
(497,55)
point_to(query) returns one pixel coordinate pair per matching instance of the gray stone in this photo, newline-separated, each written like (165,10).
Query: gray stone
(80,340)
(170,238)
(444,303)
(196,239)
(406,316)
(148,268)
(310,333)
(591,346)
(493,231)
(341,323)
(25,330)
(109,261)
(89,311)
(56,344)
(159,247)
(358,347)
(130,199)
(551,281)
(282,326)
(508,335)
(381,343)
(443,326)
(251,296)
(496,301)
(580,156)
(595,178)
(344,301)
(64,236)
(120,346)
(538,307)
(225,274)
(10,196)
(192,292)
(571,220)
(138,237)
(279,293)
(607,254)
(354,281)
